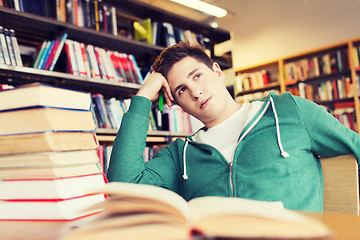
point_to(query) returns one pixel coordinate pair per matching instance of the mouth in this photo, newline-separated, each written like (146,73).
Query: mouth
(205,102)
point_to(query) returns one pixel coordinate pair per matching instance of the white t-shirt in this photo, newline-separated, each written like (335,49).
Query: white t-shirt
(224,136)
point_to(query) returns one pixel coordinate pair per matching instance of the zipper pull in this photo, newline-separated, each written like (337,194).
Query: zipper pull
(231,166)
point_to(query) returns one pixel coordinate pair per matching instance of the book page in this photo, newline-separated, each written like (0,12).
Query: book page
(147,193)
(234,217)
(139,226)
(204,207)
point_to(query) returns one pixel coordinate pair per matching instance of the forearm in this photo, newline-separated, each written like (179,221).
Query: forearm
(127,162)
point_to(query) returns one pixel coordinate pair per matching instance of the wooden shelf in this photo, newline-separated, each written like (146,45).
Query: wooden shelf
(26,24)
(23,75)
(347,63)
(275,85)
(108,135)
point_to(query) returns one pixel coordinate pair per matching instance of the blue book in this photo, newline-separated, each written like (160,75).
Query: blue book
(58,50)
(45,55)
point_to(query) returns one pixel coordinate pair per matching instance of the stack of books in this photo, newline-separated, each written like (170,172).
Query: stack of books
(49,166)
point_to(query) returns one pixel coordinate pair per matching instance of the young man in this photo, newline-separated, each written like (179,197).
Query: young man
(265,150)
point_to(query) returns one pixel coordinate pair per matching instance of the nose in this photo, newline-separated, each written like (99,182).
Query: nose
(195,91)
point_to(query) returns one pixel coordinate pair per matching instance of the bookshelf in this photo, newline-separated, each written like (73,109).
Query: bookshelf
(327,75)
(32,30)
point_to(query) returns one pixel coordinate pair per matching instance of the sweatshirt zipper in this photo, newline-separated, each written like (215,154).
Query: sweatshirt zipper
(231,179)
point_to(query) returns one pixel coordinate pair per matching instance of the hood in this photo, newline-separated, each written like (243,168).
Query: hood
(267,101)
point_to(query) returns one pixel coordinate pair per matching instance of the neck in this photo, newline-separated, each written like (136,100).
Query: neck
(231,108)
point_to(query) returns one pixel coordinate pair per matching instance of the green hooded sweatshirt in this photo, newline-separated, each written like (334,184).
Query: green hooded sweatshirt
(276,159)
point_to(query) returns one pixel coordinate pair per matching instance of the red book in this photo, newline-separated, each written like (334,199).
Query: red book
(351,120)
(52,54)
(50,189)
(335,89)
(127,68)
(100,153)
(344,104)
(101,64)
(57,209)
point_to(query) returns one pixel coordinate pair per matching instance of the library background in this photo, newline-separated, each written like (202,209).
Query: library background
(103,49)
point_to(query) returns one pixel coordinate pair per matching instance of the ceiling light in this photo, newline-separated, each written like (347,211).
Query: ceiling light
(203,7)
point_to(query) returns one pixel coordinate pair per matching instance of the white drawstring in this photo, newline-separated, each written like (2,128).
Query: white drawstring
(185,176)
(283,153)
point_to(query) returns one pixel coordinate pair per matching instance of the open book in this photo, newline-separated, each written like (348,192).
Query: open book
(135,211)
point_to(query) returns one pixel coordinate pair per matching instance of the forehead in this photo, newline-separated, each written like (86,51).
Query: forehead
(180,71)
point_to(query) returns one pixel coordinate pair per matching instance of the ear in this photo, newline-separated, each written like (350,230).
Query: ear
(216,68)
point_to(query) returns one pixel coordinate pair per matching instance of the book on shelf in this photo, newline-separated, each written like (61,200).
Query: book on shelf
(314,66)
(150,151)
(40,94)
(355,55)
(143,30)
(169,34)
(108,112)
(104,153)
(16,48)
(344,112)
(101,111)
(9,48)
(96,62)
(252,80)
(144,211)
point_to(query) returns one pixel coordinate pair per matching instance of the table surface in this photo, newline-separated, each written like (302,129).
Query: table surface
(344,227)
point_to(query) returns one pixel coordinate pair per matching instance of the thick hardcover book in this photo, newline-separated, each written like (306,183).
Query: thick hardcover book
(49,159)
(42,119)
(47,141)
(51,188)
(135,211)
(49,172)
(39,94)
(59,209)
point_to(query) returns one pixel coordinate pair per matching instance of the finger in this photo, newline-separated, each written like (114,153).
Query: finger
(167,90)
(169,102)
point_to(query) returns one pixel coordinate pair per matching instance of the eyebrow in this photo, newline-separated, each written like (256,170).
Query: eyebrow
(188,76)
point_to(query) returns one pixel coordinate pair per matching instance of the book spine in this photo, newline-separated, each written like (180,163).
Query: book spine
(58,51)
(51,55)
(85,59)
(4,47)
(114,21)
(71,57)
(136,69)
(79,59)
(45,55)
(16,48)
(93,63)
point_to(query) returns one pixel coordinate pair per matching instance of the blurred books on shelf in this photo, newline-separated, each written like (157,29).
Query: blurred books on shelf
(315,66)
(47,154)
(92,61)
(9,48)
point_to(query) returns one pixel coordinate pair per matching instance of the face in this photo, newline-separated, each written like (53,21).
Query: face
(200,91)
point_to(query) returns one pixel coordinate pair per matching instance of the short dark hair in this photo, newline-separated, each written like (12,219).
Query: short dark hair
(177,52)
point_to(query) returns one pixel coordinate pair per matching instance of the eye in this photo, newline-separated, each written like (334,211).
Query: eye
(197,76)
(181,90)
